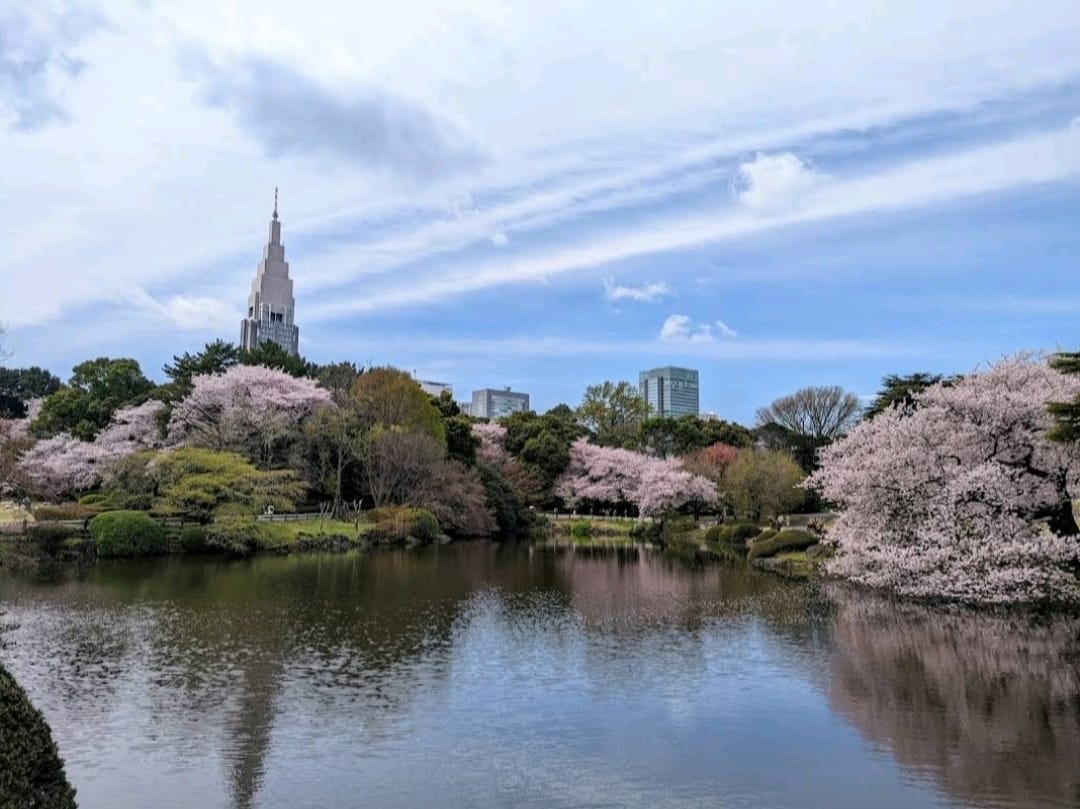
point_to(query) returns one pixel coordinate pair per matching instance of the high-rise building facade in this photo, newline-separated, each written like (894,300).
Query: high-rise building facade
(670,392)
(271,308)
(495,404)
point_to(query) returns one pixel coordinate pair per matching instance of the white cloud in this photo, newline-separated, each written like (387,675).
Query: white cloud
(682,329)
(184,312)
(771,183)
(499,239)
(779,349)
(1043,158)
(643,293)
(725,330)
(189,186)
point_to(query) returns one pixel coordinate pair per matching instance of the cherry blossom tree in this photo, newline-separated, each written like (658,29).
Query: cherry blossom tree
(492,450)
(63,465)
(610,475)
(964,497)
(248,409)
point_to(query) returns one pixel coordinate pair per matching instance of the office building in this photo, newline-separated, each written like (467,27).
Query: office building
(670,392)
(495,404)
(271,306)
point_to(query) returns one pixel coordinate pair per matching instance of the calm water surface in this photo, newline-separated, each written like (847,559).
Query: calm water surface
(498,676)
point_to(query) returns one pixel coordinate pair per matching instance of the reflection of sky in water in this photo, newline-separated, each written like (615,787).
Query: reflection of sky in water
(470,677)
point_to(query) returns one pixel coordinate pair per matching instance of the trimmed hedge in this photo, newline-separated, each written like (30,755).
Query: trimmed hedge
(127,533)
(784,541)
(31,770)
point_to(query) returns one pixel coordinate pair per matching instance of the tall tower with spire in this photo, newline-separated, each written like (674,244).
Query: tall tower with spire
(271,306)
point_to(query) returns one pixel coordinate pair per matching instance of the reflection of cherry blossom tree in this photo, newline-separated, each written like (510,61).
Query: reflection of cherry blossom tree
(609,475)
(945,501)
(61,465)
(985,701)
(247,409)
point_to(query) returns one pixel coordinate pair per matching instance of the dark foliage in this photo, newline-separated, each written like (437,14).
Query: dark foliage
(31,770)
(127,533)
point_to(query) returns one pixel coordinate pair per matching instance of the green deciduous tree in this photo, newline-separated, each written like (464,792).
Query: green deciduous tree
(541,444)
(675,437)
(336,440)
(96,390)
(25,384)
(762,483)
(389,398)
(612,412)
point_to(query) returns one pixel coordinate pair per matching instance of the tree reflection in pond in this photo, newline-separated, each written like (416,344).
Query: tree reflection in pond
(987,703)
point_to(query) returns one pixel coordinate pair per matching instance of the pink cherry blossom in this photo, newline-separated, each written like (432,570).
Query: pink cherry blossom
(247,409)
(610,475)
(63,465)
(946,502)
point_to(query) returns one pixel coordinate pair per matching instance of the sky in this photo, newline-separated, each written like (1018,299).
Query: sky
(546,195)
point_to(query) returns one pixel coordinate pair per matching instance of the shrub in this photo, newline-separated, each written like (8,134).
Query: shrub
(126,533)
(678,526)
(193,539)
(93,499)
(64,511)
(646,530)
(712,534)
(784,541)
(398,523)
(235,535)
(31,771)
(581,528)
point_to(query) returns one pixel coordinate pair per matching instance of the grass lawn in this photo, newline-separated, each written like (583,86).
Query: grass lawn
(283,534)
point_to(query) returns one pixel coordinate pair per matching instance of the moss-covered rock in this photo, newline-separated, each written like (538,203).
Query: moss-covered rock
(31,771)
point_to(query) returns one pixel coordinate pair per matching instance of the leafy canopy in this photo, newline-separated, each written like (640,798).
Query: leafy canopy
(96,390)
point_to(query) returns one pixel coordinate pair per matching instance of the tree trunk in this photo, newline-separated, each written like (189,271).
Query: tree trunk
(337,486)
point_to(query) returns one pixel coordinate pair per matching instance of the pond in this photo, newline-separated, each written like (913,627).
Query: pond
(484,675)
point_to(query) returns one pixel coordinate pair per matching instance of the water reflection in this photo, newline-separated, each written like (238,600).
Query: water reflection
(493,675)
(989,704)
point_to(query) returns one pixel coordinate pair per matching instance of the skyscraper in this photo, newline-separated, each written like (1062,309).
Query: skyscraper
(271,306)
(670,392)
